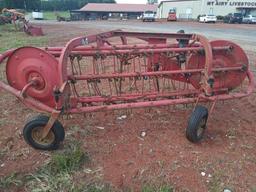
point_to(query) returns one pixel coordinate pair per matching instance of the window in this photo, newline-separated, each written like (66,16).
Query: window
(237,14)
(211,11)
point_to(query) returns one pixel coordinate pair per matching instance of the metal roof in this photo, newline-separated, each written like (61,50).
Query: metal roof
(112,7)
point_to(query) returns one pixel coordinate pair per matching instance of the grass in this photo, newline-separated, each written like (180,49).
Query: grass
(60,174)
(10,38)
(10,180)
(216,184)
(163,188)
(3,152)
(50,15)
(69,160)
(57,174)
(45,181)
(93,188)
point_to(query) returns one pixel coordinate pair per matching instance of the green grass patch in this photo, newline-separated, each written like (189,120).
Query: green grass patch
(163,188)
(10,38)
(9,181)
(218,183)
(3,152)
(51,15)
(69,160)
(45,181)
(57,174)
(93,188)
(64,172)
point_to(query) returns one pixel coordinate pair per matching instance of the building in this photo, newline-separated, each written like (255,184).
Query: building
(152,1)
(190,9)
(93,11)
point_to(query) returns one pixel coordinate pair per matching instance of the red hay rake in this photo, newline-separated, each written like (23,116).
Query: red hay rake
(100,73)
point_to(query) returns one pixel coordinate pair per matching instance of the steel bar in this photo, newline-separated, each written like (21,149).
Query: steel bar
(114,47)
(30,102)
(154,35)
(147,74)
(128,97)
(106,52)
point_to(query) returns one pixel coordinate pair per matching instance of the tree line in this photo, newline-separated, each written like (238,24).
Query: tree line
(48,5)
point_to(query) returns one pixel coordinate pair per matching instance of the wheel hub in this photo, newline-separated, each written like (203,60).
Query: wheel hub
(38,79)
(235,57)
(37,136)
(29,63)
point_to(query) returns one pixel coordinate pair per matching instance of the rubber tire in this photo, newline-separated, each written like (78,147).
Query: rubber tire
(195,119)
(42,120)
(46,119)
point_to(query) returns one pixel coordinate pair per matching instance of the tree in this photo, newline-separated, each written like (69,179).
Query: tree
(22,4)
(32,5)
(18,4)
(50,5)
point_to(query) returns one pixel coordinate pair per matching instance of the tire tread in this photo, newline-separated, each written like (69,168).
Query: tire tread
(42,120)
(198,114)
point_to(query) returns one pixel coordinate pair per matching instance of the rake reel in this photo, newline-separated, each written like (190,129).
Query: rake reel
(124,70)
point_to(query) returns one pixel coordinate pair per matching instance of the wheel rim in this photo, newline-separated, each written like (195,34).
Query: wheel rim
(27,63)
(37,136)
(201,127)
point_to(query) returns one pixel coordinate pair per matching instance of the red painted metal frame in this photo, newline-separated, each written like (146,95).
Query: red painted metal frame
(76,46)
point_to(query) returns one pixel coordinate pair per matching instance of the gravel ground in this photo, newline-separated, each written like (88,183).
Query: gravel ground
(242,34)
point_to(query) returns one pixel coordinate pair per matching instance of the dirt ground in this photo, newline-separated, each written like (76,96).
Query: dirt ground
(226,158)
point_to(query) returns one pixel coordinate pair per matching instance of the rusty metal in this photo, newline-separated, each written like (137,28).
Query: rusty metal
(47,128)
(32,30)
(91,73)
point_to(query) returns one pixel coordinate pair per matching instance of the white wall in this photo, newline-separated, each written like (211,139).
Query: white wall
(198,7)
(184,9)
